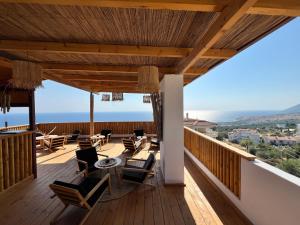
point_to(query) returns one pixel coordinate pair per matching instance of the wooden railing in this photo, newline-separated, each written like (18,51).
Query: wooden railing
(84,127)
(223,160)
(18,127)
(15,158)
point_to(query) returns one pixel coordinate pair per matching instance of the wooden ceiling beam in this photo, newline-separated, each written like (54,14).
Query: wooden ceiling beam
(263,7)
(110,88)
(276,8)
(123,90)
(89,77)
(229,16)
(90,68)
(109,50)
(105,84)
(118,69)
(59,80)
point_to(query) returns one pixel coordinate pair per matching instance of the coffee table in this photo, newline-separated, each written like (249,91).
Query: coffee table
(107,168)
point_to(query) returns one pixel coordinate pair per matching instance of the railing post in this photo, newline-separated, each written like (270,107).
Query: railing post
(92,114)
(32,127)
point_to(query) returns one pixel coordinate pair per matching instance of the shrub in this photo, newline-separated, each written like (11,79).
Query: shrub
(291,166)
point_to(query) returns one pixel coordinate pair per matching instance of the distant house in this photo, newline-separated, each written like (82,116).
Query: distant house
(202,126)
(241,134)
(286,140)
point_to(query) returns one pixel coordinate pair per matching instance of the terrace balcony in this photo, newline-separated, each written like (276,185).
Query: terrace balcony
(223,185)
(153,47)
(198,202)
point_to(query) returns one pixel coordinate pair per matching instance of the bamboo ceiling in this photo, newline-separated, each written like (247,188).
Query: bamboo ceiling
(99,45)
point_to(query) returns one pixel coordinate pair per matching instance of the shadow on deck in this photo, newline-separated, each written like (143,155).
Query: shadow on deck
(199,202)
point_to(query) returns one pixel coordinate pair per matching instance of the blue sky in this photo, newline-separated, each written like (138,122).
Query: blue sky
(265,76)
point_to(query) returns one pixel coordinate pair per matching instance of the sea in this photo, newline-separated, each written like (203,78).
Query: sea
(209,115)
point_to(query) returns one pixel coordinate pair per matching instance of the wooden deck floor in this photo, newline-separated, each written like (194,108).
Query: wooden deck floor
(197,203)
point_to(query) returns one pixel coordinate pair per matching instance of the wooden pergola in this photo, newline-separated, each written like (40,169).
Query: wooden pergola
(99,45)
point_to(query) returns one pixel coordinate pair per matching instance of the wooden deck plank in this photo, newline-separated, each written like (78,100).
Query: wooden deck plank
(197,203)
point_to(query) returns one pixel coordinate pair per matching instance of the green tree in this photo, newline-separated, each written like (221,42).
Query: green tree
(222,135)
(291,166)
(253,151)
(246,143)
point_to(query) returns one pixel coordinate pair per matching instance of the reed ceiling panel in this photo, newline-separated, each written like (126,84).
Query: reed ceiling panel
(248,29)
(102,25)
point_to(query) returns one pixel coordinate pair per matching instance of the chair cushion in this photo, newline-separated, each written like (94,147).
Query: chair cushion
(85,187)
(134,176)
(105,132)
(72,186)
(88,155)
(88,184)
(149,162)
(139,132)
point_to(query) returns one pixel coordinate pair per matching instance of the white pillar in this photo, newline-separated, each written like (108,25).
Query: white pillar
(172,147)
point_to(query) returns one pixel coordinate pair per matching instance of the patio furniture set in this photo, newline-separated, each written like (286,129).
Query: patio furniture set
(90,189)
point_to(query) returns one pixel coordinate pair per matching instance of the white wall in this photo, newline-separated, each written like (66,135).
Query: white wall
(269,196)
(172,148)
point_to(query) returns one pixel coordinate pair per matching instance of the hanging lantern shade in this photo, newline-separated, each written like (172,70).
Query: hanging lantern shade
(147,99)
(26,75)
(105,97)
(148,79)
(117,96)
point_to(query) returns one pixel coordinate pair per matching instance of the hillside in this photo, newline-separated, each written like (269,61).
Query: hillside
(294,109)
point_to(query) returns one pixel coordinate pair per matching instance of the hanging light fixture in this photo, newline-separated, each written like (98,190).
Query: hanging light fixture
(26,75)
(117,96)
(105,97)
(148,79)
(147,99)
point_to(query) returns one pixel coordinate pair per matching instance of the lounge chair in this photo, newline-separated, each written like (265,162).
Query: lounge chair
(107,134)
(86,159)
(137,174)
(74,136)
(131,146)
(55,142)
(84,195)
(88,143)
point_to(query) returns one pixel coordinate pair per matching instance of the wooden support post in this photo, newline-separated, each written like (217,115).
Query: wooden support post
(32,127)
(91,114)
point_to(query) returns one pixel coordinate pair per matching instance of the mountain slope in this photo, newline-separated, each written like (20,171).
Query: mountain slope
(294,109)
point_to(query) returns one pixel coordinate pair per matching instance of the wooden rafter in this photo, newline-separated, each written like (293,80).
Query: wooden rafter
(69,83)
(119,69)
(111,78)
(109,50)
(103,83)
(264,7)
(229,16)
(276,7)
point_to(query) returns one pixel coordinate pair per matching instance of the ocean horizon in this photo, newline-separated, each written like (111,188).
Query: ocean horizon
(213,116)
